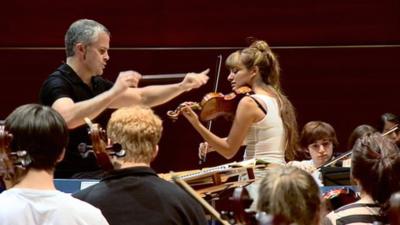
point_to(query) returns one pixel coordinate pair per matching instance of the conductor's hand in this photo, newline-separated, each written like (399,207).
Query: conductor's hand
(125,80)
(194,80)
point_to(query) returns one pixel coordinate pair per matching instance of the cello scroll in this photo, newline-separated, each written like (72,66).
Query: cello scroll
(99,140)
(100,146)
(12,163)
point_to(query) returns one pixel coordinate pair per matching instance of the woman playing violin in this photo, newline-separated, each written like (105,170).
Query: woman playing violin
(265,120)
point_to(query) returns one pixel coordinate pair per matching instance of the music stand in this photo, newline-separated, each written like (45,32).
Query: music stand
(335,176)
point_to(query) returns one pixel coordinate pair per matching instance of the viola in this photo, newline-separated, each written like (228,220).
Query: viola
(99,146)
(339,197)
(237,211)
(214,104)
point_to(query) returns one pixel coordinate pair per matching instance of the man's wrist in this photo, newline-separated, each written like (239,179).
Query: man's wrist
(183,88)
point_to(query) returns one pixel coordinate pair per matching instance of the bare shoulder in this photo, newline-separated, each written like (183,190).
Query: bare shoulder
(247,101)
(247,106)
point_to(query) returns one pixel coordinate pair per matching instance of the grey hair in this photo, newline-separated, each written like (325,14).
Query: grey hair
(82,31)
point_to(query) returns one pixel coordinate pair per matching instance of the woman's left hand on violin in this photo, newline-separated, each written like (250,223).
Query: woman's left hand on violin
(190,115)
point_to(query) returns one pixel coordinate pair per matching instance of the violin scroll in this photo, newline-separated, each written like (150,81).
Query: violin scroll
(174,114)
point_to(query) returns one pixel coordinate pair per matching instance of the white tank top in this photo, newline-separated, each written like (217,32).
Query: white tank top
(266,138)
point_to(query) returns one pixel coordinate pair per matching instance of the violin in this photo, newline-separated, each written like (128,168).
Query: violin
(99,146)
(214,104)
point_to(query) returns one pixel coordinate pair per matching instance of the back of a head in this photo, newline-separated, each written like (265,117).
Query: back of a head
(291,193)
(138,130)
(375,164)
(39,130)
(82,31)
(358,132)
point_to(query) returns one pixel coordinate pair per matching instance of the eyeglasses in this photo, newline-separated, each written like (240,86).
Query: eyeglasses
(317,145)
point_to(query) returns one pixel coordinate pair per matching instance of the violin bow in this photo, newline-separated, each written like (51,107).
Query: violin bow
(209,124)
(344,155)
(218,69)
(394,128)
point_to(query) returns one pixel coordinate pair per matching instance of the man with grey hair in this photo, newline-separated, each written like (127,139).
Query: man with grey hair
(76,90)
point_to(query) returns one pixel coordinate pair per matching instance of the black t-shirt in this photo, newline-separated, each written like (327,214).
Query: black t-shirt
(64,82)
(137,195)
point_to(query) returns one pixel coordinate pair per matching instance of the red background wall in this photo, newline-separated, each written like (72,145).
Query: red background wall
(338,58)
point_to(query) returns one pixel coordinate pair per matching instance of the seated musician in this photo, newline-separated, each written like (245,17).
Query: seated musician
(394,209)
(291,193)
(358,132)
(265,121)
(375,169)
(387,123)
(133,193)
(43,134)
(317,139)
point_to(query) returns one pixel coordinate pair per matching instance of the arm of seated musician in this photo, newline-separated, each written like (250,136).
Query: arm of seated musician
(309,167)
(306,165)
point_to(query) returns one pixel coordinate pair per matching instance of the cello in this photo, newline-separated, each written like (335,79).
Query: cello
(12,163)
(7,172)
(102,150)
